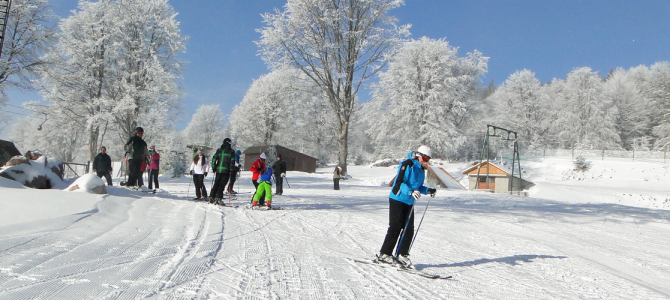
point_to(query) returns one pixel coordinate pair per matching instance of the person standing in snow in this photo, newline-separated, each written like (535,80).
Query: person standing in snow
(407,188)
(279,168)
(258,168)
(199,169)
(264,188)
(234,171)
(337,174)
(154,164)
(222,161)
(102,165)
(136,148)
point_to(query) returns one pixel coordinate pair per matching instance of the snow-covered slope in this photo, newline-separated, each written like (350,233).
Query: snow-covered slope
(572,240)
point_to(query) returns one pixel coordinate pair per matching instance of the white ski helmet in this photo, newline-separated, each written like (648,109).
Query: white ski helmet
(424,150)
(263,155)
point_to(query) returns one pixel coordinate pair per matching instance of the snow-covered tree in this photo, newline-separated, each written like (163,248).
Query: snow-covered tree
(425,95)
(29,32)
(53,137)
(115,68)
(284,107)
(206,127)
(660,93)
(264,109)
(633,108)
(337,43)
(521,105)
(148,69)
(587,118)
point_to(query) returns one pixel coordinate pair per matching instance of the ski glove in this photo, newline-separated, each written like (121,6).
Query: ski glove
(205,174)
(283,174)
(190,173)
(432,192)
(416,195)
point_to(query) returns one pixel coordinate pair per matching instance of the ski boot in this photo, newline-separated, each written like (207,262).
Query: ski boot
(383,259)
(404,262)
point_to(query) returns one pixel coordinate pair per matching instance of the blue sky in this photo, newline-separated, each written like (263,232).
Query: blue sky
(550,38)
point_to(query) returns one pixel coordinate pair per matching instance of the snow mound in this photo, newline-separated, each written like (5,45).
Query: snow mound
(88,183)
(41,173)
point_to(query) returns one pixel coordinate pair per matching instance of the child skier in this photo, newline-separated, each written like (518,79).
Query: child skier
(265,186)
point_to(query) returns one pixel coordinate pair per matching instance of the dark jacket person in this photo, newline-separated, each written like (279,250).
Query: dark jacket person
(102,165)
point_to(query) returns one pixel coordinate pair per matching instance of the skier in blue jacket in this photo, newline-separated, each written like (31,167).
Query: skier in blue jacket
(407,188)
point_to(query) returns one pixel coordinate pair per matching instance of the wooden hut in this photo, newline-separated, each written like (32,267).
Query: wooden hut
(498,179)
(295,161)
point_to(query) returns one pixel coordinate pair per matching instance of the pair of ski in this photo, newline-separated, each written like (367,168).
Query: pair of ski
(401,269)
(262,207)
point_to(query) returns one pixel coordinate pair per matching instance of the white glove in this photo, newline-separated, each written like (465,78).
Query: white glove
(283,175)
(416,195)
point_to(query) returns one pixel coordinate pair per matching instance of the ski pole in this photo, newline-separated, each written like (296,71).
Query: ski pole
(419,227)
(409,217)
(289,186)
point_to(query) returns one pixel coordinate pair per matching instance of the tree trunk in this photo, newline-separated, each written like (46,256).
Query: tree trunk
(342,139)
(94,131)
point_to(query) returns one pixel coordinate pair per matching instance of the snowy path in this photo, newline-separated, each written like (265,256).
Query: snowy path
(129,245)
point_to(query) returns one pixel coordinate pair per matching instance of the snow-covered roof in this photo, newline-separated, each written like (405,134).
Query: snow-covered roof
(445,178)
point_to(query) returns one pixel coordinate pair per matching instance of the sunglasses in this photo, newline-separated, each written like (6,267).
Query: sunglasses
(425,157)
(140,133)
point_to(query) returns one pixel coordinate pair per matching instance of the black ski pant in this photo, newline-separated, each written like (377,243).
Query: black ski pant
(280,184)
(231,183)
(153,176)
(134,172)
(220,182)
(398,214)
(106,175)
(336,183)
(262,200)
(199,184)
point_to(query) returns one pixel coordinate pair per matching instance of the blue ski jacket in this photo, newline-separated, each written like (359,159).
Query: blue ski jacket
(267,176)
(409,178)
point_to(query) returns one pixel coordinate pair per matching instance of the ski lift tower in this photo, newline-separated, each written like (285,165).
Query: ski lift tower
(4,15)
(505,135)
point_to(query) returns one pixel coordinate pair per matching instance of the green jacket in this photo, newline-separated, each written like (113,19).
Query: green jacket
(223,160)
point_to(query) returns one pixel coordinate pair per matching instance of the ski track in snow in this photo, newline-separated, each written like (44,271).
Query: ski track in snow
(495,246)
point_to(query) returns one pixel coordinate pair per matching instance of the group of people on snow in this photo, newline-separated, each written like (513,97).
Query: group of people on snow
(226,165)
(139,159)
(406,189)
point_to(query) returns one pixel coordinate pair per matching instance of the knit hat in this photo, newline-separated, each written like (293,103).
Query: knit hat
(263,155)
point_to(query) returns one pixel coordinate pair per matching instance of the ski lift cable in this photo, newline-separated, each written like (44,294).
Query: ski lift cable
(19,107)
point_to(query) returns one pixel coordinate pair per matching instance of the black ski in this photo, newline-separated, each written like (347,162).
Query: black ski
(401,269)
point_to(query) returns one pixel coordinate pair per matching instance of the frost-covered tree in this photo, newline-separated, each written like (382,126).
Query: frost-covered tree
(660,92)
(115,68)
(264,109)
(148,70)
(53,137)
(633,108)
(206,127)
(29,32)
(520,104)
(284,107)
(337,43)
(425,95)
(587,118)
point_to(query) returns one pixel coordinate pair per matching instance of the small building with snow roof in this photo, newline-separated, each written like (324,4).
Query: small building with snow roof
(498,178)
